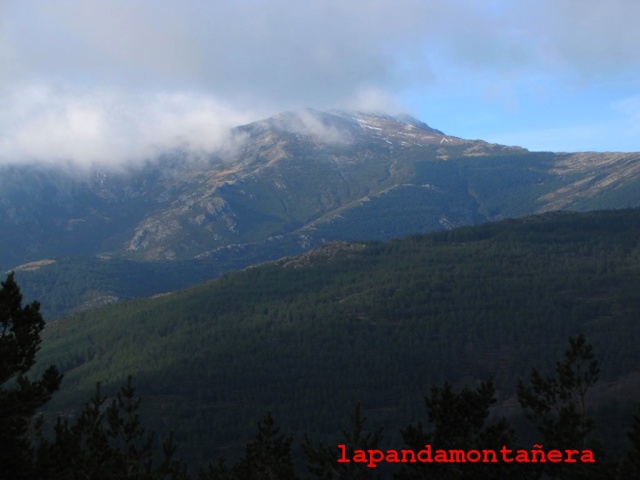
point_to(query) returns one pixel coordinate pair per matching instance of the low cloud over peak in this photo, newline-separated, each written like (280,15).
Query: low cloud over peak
(116,80)
(109,127)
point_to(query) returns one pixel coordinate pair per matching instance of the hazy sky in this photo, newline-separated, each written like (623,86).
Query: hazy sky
(113,80)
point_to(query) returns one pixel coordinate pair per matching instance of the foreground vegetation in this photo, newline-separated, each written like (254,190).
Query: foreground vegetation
(107,441)
(306,338)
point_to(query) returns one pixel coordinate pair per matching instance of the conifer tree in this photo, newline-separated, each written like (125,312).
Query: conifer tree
(459,421)
(268,456)
(323,460)
(106,442)
(20,397)
(557,406)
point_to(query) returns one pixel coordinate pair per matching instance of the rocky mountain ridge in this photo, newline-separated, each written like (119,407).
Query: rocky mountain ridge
(303,178)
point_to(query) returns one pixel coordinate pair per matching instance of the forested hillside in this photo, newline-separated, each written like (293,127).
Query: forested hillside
(69,284)
(307,337)
(293,182)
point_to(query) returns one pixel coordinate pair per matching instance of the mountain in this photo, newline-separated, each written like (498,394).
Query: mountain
(306,337)
(286,184)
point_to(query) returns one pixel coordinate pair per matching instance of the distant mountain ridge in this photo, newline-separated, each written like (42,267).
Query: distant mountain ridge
(296,172)
(295,181)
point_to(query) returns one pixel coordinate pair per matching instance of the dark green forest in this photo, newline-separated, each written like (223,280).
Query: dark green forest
(70,284)
(381,324)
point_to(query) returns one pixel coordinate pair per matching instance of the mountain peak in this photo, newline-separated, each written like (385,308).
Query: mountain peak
(409,120)
(402,119)
(338,124)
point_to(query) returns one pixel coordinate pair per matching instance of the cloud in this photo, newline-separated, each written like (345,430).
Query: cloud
(310,122)
(320,50)
(111,80)
(108,127)
(81,72)
(275,51)
(592,37)
(372,99)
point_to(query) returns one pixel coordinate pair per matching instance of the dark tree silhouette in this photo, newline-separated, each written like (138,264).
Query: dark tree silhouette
(106,442)
(459,420)
(557,406)
(20,397)
(322,460)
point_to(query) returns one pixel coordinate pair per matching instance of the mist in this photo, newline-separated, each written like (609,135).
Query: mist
(114,82)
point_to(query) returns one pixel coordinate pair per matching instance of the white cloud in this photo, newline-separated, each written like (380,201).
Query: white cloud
(107,80)
(279,50)
(374,99)
(109,128)
(596,38)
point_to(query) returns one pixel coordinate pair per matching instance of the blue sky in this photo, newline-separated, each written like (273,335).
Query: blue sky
(115,81)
